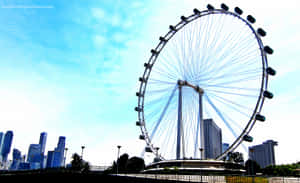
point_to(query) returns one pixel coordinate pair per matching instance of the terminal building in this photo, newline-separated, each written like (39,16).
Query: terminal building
(264,153)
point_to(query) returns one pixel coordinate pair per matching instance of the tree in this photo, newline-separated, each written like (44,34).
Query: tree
(125,165)
(252,167)
(236,157)
(77,164)
(135,165)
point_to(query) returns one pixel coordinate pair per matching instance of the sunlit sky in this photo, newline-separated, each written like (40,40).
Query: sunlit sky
(71,67)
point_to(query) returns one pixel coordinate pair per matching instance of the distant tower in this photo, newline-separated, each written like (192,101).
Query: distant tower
(6,145)
(42,142)
(264,153)
(56,158)
(1,138)
(16,159)
(212,138)
(34,156)
(43,139)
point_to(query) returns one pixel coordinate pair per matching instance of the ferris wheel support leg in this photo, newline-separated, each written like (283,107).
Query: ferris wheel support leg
(202,150)
(179,121)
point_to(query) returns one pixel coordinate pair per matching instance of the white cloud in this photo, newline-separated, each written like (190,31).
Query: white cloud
(99,40)
(98,13)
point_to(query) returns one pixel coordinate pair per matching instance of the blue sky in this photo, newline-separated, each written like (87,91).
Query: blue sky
(71,68)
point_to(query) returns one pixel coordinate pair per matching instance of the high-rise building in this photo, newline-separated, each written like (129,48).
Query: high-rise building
(264,153)
(225,146)
(42,142)
(34,156)
(50,157)
(212,139)
(17,158)
(1,139)
(56,158)
(6,145)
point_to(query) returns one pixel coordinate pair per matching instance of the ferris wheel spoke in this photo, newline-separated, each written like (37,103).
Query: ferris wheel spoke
(156,81)
(226,75)
(232,93)
(221,116)
(231,87)
(163,112)
(237,62)
(233,105)
(235,81)
(164,73)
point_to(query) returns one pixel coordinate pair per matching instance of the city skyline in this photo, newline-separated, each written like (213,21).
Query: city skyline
(70,68)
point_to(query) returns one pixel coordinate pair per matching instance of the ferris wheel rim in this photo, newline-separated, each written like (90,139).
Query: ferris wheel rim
(160,46)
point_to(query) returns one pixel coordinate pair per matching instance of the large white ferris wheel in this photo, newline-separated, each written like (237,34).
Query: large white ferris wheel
(211,65)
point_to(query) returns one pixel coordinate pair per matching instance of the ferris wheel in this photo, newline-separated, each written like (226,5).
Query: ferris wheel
(212,66)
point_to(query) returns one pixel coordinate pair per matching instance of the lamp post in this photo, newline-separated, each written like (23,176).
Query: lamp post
(66,150)
(82,147)
(119,147)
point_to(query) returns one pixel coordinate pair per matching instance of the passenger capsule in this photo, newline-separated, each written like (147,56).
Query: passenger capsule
(268,50)
(224,7)
(248,138)
(147,65)
(238,10)
(142,79)
(172,28)
(183,18)
(154,52)
(196,11)
(271,71)
(142,137)
(162,39)
(138,94)
(261,32)
(251,19)
(268,94)
(260,117)
(148,149)
(138,109)
(210,7)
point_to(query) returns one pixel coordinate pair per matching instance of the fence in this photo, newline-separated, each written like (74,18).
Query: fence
(212,179)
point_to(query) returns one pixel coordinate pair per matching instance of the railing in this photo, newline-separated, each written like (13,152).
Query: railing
(214,178)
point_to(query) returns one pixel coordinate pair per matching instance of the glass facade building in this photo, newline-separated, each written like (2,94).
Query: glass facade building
(56,158)
(17,158)
(42,142)
(6,145)
(264,153)
(34,156)
(212,139)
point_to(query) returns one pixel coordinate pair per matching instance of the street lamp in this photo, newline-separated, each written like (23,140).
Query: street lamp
(66,150)
(82,147)
(119,147)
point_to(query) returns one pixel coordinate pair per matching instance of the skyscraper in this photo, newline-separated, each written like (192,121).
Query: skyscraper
(212,139)
(6,145)
(16,159)
(42,142)
(34,156)
(264,153)
(1,139)
(56,158)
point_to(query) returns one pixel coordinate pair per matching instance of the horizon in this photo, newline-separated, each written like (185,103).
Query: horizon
(71,69)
